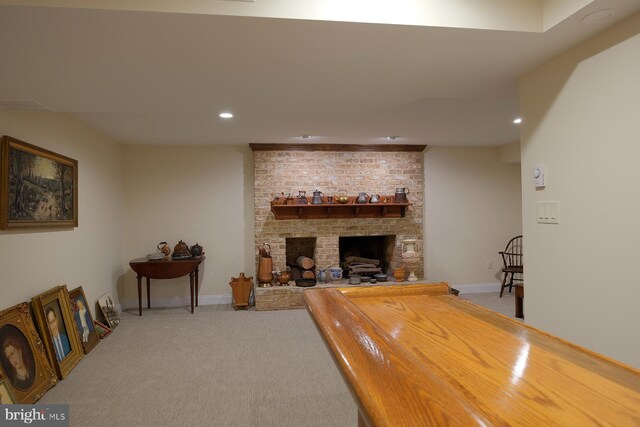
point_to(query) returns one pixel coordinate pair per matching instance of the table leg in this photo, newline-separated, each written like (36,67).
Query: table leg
(520,301)
(148,293)
(139,295)
(191,288)
(197,292)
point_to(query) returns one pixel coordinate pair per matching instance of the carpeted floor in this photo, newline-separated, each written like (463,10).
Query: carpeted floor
(491,300)
(216,367)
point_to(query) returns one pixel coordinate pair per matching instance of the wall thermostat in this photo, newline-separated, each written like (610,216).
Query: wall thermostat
(540,175)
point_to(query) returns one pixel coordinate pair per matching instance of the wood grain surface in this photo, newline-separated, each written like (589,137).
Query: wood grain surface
(411,359)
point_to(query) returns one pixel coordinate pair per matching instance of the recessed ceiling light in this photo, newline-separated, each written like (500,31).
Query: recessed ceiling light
(392,137)
(517,120)
(305,136)
(598,16)
(226,115)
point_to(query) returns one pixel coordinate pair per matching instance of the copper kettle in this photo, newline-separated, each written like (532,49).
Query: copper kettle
(164,248)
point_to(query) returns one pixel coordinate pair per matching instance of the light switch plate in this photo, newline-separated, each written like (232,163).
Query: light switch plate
(548,212)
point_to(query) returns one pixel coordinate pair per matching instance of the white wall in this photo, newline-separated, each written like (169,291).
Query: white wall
(33,261)
(198,194)
(472,209)
(580,117)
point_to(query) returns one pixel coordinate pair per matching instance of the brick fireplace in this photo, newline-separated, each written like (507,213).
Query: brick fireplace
(330,169)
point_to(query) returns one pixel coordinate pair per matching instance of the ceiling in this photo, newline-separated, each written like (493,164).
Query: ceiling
(146,77)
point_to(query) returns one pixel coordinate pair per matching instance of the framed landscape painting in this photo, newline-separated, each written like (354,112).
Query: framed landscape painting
(38,188)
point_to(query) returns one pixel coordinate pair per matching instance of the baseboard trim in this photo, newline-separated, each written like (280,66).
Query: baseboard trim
(178,301)
(477,288)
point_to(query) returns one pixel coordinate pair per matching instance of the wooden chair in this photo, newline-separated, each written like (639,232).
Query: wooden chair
(512,260)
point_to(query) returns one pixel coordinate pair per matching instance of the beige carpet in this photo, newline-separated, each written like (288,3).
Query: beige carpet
(491,300)
(216,367)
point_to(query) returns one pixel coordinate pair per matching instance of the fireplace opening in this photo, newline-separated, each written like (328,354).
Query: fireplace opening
(366,255)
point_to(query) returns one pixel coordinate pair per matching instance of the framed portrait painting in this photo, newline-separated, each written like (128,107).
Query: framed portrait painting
(23,361)
(52,310)
(84,320)
(38,188)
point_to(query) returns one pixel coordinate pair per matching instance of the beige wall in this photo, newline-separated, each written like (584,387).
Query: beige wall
(198,194)
(580,116)
(472,209)
(32,261)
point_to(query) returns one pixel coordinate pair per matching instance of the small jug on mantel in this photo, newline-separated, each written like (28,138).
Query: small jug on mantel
(362,198)
(401,194)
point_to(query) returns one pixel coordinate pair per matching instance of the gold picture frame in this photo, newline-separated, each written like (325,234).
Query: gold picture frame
(84,320)
(38,188)
(52,310)
(23,360)
(108,309)
(6,396)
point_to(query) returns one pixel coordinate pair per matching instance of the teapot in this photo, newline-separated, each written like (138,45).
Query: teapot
(362,198)
(164,248)
(196,250)
(375,198)
(342,197)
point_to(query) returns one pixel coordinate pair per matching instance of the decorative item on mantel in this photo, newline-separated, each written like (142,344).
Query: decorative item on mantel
(265,266)
(401,194)
(241,291)
(410,258)
(398,274)
(283,277)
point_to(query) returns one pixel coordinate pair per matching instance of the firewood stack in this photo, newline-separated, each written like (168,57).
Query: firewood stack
(303,268)
(362,266)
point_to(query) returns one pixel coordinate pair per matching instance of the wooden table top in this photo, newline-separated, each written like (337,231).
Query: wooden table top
(165,268)
(413,355)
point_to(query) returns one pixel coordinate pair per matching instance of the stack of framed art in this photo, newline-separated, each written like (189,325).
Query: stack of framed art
(33,357)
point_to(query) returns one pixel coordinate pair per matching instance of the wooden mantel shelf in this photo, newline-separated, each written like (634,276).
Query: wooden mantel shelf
(281,210)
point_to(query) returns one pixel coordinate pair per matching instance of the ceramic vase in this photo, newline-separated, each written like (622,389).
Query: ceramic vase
(410,258)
